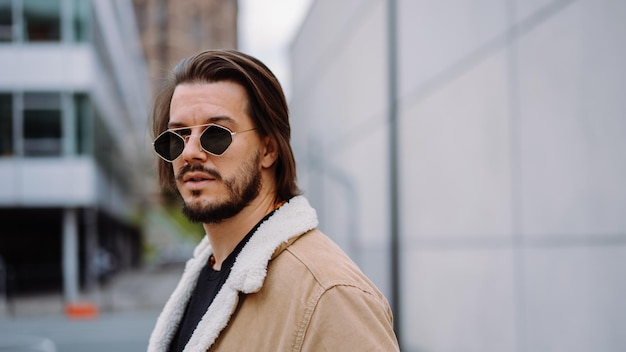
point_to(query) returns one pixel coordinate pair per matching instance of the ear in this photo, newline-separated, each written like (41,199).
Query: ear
(269,153)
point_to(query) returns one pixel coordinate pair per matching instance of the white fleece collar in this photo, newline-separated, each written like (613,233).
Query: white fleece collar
(247,275)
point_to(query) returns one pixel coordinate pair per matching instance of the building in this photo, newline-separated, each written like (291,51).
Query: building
(508,118)
(74,147)
(172,30)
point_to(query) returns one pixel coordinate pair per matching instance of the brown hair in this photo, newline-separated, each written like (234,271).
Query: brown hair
(267,106)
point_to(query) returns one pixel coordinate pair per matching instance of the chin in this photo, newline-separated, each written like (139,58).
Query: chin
(199,200)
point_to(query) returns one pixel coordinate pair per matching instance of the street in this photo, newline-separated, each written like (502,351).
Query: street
(129,306)
(120,331)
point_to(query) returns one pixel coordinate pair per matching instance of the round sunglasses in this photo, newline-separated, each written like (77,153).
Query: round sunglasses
(215,139)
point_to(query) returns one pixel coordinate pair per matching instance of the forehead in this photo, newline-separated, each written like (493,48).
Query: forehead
(199,103)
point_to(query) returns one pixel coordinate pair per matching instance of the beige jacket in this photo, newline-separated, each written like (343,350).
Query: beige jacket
(290,289)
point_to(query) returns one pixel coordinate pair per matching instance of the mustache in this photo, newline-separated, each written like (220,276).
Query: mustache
(197,167)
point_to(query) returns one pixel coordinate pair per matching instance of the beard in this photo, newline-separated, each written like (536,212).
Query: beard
(242,189)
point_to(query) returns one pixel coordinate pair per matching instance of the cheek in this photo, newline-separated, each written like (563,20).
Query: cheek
(176,165)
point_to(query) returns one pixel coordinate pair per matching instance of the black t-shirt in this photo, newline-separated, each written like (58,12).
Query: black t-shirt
(208,285)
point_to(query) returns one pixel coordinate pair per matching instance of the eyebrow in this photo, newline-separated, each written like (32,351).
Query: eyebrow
(214,119)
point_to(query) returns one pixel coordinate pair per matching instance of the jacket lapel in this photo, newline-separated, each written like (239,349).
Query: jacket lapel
(168,320)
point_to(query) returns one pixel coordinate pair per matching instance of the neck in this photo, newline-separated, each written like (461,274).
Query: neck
(225,235)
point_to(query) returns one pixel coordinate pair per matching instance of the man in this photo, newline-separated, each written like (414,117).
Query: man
(263,278)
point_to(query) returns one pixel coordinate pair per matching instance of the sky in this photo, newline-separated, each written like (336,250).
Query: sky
(266,29)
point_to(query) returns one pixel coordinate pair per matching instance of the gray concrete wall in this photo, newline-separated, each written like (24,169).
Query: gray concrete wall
(512,164)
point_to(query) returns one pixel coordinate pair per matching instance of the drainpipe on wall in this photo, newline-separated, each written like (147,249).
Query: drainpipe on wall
(394,216)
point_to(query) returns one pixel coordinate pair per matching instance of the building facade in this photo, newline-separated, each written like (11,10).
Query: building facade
(172,30)
(74,94)
(508,119)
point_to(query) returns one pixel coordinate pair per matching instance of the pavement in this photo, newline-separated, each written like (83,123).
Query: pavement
(119,332)
(128,307)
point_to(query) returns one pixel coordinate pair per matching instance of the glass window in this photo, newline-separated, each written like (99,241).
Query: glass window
(80,21)
(6,21)
(103,140)
(84,123)
(108,154)
(42,124)
(42,20)
(6,125)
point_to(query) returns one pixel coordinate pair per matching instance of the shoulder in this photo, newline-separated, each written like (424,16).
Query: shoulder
(342,305)
(314,254)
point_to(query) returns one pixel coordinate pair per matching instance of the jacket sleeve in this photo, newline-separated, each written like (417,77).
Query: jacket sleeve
(348,318)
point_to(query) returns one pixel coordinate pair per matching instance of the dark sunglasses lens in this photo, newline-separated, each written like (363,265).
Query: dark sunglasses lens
(215,140)
(169,146)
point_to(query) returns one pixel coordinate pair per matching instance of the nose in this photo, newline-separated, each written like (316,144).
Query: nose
(193,152)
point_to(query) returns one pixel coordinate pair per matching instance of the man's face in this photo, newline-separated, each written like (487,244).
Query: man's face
(215,188)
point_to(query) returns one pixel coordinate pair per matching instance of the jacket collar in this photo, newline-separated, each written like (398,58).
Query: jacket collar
(247,275)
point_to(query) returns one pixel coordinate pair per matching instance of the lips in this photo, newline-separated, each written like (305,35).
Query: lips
(197,177)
